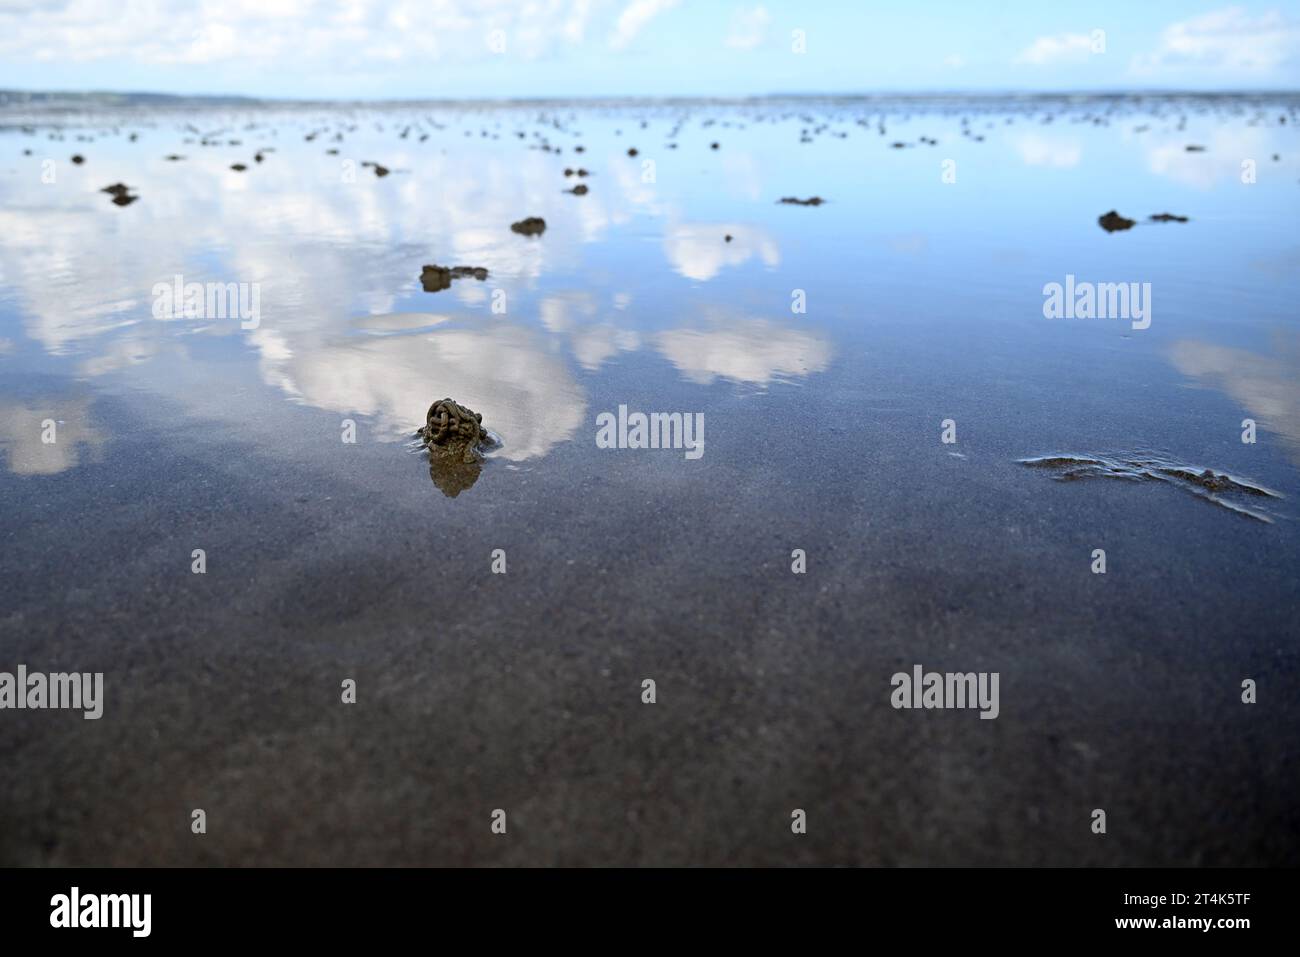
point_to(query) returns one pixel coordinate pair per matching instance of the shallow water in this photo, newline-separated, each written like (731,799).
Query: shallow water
(823,431)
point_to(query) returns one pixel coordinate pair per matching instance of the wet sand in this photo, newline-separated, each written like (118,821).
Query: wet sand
(478,691)
(522,691)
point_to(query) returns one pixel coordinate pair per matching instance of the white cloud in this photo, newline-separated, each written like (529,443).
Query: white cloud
(1220,163)
(575,27)
(1224,41)
(954,61)
(575,315)
(1062,48)
(525,392)
(334,33)
(1264,385)
(1038,150)
(22,426)
(634,18)
(741,349)
(748,27)
(700,250)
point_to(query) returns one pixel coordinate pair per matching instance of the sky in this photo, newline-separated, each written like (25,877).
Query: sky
(400,49)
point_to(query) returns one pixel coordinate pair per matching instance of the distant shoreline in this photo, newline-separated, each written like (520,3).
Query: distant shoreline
(95,99)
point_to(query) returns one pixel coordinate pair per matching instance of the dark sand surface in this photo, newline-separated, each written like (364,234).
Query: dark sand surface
(479,691)
(522,691)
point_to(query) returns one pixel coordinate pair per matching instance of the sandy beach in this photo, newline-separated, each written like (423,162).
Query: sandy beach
(669,288)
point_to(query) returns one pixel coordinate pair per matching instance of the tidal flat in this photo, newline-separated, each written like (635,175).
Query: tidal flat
(849,292)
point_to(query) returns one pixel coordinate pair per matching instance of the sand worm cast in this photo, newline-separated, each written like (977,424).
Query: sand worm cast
(454,431)
(456,440)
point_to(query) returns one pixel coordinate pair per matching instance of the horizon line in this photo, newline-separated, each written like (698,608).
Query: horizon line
(10,96)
